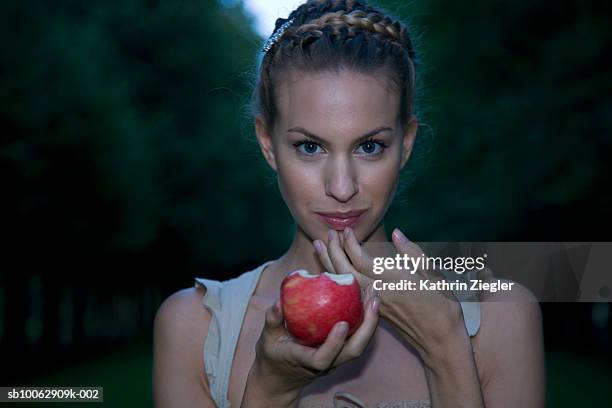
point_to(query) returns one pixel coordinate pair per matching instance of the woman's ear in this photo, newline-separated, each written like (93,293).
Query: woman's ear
(408,140)
(264,138)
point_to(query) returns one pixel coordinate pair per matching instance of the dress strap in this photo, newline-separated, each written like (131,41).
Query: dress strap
(468,299)
(227,303)
(344,399)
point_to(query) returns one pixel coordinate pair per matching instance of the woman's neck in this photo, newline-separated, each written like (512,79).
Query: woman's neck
(301,255)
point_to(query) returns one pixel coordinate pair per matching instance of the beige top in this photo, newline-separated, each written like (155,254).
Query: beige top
(227,302)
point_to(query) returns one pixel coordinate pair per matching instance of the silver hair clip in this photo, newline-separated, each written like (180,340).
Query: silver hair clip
(276,35)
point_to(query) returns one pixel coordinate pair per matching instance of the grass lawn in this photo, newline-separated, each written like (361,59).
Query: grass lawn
(575,381)
(125,376)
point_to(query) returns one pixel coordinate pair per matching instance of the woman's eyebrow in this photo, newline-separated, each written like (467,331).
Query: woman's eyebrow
(321,140)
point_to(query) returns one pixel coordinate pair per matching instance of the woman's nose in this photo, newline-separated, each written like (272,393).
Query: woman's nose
(341,179)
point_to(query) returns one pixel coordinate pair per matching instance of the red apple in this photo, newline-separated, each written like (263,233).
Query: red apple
(313,304)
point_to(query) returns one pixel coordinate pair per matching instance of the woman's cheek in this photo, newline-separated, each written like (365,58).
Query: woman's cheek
(299,186)
(379,180)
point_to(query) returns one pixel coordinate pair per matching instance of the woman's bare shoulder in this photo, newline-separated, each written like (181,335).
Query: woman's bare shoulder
(183,308)
(510,310)
(180,329)
(509,345)
(181,322)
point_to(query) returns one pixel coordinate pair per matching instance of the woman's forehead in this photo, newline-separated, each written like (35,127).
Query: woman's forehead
(336,99)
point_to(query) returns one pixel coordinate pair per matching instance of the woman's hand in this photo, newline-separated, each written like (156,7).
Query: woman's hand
(283,367)
(428,320)
(431,321)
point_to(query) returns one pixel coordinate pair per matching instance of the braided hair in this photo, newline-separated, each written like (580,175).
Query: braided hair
(330,35)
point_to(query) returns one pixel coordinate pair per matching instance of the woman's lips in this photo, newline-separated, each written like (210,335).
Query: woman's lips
(340,221)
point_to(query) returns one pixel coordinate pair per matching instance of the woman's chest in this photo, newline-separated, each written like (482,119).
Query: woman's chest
(389,370)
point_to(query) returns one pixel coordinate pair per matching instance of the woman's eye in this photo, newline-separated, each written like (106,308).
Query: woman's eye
(367,148)
(308,148)
(370,148)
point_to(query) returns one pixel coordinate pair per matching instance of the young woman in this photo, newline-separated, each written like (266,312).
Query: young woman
(334,117)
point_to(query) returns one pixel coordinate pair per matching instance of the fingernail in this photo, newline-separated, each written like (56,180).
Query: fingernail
(330,235)
(342,329)
(399,236)
(317,245)
(375,305)
(346,232)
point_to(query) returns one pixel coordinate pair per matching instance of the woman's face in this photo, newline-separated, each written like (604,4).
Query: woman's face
(337,148)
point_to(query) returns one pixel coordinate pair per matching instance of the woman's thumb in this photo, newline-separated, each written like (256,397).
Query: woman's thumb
(274,317)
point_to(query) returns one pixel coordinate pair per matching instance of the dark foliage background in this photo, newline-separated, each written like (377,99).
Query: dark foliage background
(129,166)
